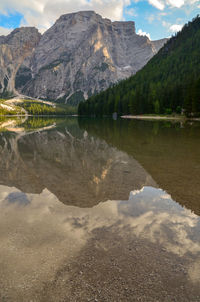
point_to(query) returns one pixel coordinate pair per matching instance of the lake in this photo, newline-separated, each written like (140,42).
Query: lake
(99,210)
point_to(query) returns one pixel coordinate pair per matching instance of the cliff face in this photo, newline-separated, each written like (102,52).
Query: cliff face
(14,49)
(80,54)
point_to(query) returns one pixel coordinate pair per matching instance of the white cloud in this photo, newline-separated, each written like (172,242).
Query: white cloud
(143,33)
(161,4)
(175,28)
(166,24)
(151,18)
(176,3)
(172,27)
(131,12)
(156,17)
(5,31)
(158,4)
(43,13)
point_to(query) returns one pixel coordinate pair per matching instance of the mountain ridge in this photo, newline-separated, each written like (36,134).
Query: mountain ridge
(81,54)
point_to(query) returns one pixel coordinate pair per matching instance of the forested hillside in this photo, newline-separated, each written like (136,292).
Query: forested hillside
(169,83)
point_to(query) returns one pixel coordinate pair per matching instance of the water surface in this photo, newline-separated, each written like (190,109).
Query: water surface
(99,210)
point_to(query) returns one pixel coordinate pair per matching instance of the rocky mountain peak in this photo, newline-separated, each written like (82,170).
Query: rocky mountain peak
(81,54)
(89,17)
(21,35)
(81,16)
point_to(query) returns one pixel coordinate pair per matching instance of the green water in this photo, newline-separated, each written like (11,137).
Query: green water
(99,209)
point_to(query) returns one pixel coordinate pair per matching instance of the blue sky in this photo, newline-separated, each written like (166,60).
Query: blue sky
(160,23)
(156,18)
(12,20)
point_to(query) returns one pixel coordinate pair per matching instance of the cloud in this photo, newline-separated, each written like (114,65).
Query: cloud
(5,31)
(158,4)
(175,28)
(151,18)
(161,4)
(43,13)
(155,17)
(172,27)
(131,12)
(143,33)
(176,3)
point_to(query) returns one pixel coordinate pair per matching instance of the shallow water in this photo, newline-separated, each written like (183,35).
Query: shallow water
(99,210)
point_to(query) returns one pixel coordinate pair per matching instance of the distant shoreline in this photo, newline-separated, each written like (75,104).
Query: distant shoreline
(153,117)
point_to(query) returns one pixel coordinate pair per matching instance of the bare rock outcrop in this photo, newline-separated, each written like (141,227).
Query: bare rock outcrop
(14,49)
(81,54)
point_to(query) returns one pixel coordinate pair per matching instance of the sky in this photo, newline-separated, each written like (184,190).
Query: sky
(155,18)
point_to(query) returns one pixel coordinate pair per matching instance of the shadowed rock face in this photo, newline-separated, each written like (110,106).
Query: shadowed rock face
(14,49)
(80,54)
(78,169)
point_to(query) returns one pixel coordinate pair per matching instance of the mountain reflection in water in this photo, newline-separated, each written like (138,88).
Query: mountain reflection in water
(66,160)
(168,151)
(70,230)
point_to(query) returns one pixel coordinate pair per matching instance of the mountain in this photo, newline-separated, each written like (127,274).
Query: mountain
(169,82)
(81,54)
(14,49)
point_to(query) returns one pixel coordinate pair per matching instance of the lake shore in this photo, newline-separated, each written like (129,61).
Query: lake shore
(153,117)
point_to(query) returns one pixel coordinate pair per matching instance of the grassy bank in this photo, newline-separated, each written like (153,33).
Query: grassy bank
(17,106)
